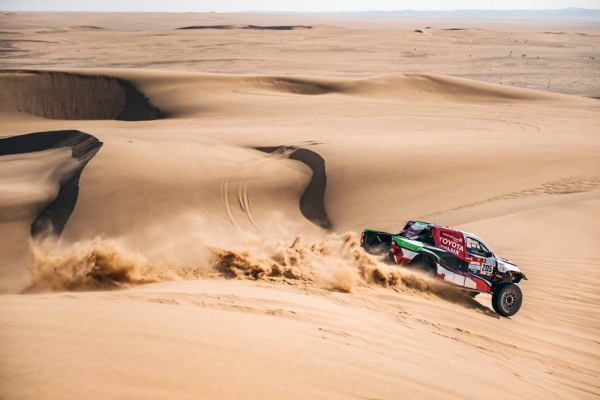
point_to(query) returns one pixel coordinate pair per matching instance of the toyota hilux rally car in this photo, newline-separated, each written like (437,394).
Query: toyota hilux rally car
(453,256)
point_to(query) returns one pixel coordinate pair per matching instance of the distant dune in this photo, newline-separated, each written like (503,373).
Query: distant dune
(259,28)
(568,14)
(86,27)
(88,95)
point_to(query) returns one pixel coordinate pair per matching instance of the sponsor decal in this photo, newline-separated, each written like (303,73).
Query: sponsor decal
(474,268)
(451,243)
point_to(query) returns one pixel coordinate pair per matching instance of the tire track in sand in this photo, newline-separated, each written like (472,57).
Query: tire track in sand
(561,186)
(312,200)
(243,196)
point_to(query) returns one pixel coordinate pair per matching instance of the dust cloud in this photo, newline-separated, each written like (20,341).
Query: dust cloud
(334,262)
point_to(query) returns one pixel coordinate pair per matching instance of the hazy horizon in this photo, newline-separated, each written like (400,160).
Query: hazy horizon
(288,6)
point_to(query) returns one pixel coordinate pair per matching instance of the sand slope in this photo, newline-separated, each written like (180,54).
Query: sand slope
(221,188)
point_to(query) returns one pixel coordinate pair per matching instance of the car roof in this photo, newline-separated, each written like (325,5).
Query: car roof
(469,234)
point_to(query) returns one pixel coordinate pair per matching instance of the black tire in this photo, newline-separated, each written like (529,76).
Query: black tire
(507,299)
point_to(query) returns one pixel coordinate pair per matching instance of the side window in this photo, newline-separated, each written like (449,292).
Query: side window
(476,248)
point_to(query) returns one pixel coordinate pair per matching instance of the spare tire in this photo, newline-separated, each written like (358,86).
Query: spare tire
(507,299)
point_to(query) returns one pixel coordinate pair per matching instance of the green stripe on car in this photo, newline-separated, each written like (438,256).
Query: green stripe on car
(408,244)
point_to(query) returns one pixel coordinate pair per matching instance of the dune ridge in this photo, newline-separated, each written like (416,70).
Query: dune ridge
(312,202)
(107,94)
(415,86)
(51,221)
(70,96)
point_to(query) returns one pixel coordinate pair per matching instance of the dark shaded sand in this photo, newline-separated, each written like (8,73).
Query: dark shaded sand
(52,219)
(61,95)
(312,202)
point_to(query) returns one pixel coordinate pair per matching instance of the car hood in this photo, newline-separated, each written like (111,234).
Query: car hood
(504,266)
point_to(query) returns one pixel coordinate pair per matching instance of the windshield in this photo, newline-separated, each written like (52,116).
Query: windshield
(477,248)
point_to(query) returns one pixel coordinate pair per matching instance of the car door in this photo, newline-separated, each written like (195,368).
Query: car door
(480,259)
(452,241)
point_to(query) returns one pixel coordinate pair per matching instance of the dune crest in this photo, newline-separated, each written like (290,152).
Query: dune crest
(312,202)
(52,219)
(416,87)
(106,94)
(62,95)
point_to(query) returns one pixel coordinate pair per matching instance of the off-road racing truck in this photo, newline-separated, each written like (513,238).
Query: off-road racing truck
(454,256)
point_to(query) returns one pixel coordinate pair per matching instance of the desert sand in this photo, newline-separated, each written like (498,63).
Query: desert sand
(180,209)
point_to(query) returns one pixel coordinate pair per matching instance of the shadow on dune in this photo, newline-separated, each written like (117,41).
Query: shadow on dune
(312,202)
(403,87)
(69,96)
(296,85)
(52,220)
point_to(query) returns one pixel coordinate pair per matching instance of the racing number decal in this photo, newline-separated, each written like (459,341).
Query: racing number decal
(483,267)
(487,269)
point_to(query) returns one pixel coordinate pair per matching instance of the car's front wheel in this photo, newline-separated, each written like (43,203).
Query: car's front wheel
(507,299)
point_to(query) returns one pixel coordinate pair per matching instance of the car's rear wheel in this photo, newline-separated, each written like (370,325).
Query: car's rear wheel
(507,299)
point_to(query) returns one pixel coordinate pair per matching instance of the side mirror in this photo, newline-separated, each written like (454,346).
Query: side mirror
(489,254)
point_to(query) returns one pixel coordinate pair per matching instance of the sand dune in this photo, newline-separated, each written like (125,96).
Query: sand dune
(60,95)
(101,94)
(52,219)
(186,234)
(253,27)
(312,202)
(86,27)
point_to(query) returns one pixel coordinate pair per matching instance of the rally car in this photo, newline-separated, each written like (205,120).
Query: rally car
(454,256)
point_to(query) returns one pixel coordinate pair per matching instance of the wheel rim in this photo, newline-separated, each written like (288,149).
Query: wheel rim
(509,300)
